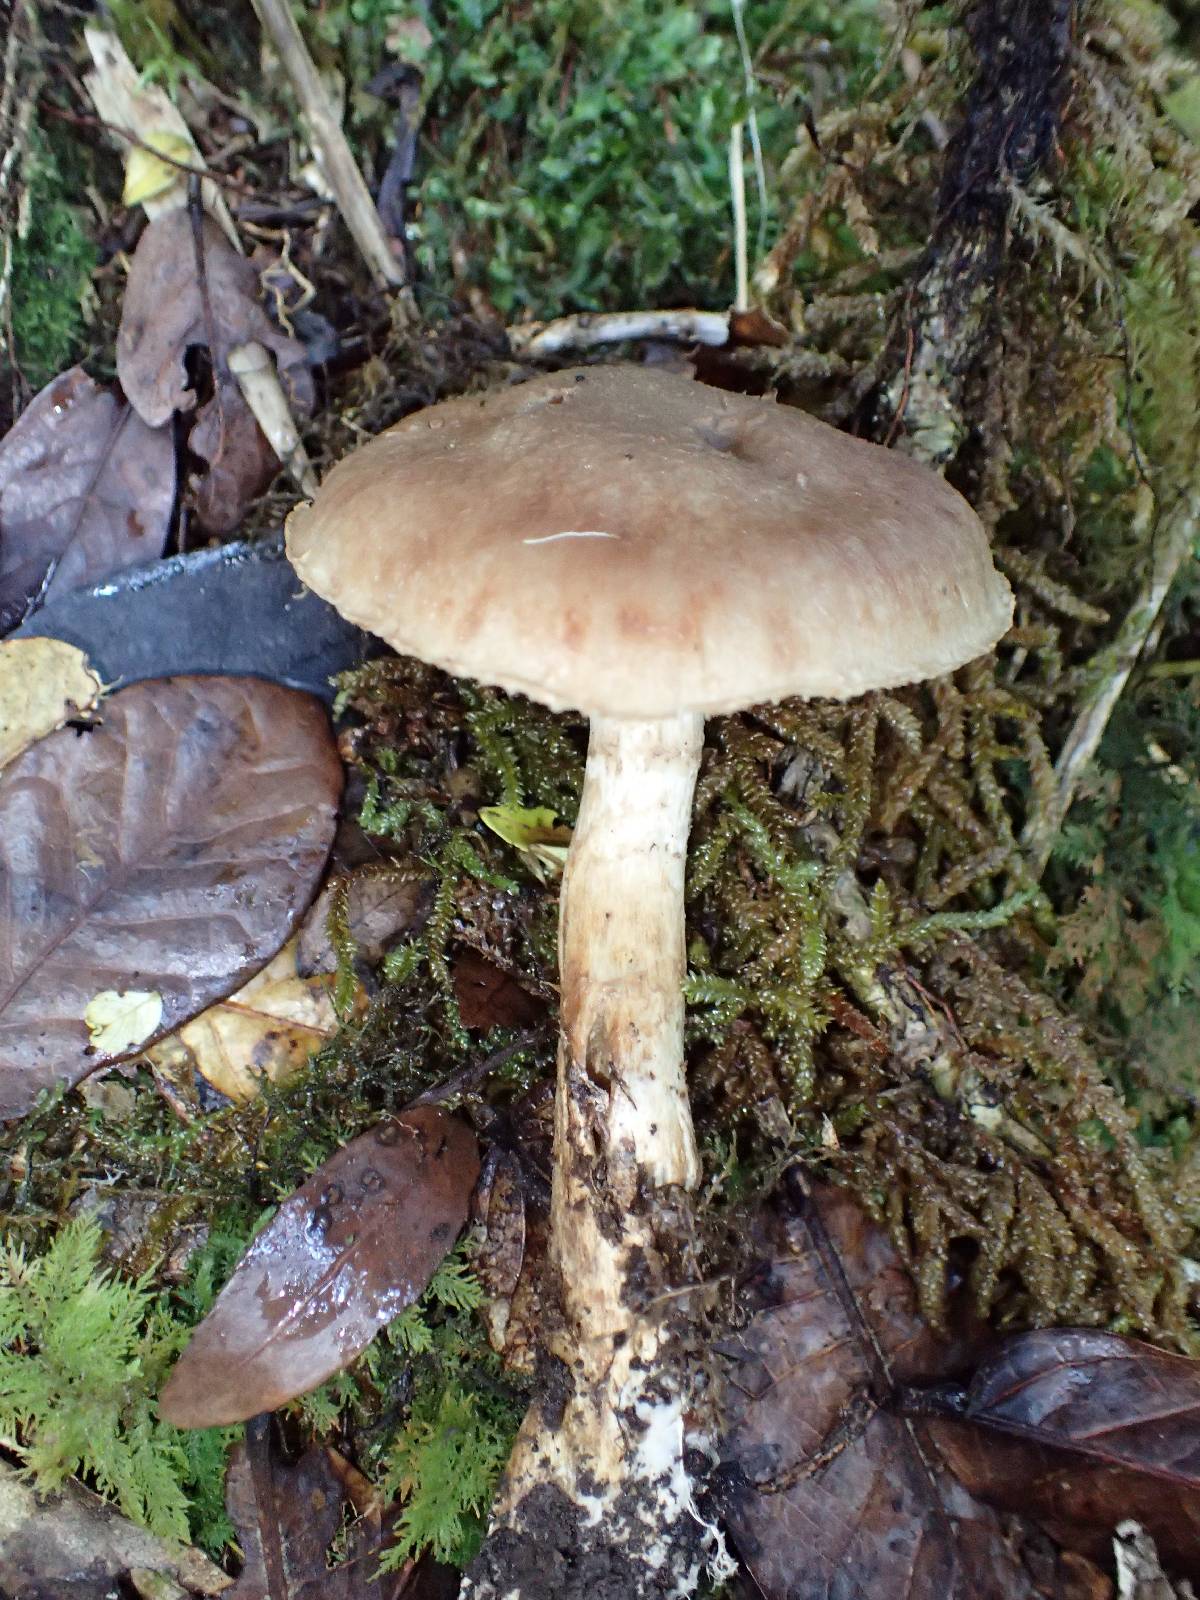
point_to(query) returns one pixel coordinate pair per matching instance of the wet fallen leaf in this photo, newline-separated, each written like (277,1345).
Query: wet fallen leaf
(287,1517)
(75,1544)
(342,1256)
(164,315)
(86,489)
(379,907)
(240,461)
(1080,1428)
(43,683)
(489,997)
(120,1021)
(266,1030)
(171,849)
(831,1495)
(533,830)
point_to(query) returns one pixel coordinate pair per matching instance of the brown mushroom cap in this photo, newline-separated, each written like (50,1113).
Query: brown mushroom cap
(635,544)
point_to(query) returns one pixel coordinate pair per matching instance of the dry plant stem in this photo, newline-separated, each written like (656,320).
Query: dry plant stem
(258,380)
(624,1159)
(536,340)
(1111,670)
(333,152)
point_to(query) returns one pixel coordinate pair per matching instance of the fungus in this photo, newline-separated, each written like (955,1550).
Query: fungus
(650,551)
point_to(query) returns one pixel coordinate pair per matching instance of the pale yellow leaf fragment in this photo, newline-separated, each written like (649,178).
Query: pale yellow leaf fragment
(266,1030)
(146,175)
(119,1021)
(533,830)
(43,683)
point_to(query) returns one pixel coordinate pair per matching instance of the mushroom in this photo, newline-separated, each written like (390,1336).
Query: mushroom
(630,543)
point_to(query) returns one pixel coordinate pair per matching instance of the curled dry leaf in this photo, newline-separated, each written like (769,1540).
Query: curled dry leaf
(166,312)
(342,1256)
(1079,1429)
(287,1517)
(267,1030)
(170,850)
(86,489)
(43,683)
(830,1495)
(508,1261)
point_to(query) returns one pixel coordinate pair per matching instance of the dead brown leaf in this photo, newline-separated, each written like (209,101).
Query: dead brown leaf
(168,851)
(489,997)
(86,489)
(834,1496)
(1080,1429)
(287,1516)
(266,1030)
(169,309)
(345,1254)
(241,463)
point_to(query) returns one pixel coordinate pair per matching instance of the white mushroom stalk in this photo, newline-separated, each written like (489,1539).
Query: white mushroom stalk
(624,1157)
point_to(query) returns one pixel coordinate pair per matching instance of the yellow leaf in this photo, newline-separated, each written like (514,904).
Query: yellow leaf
(535,832)
(43,683)
(266,1030)
(145,175)
(120,1021)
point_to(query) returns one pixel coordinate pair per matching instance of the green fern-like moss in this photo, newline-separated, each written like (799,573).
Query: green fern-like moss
(82,1353)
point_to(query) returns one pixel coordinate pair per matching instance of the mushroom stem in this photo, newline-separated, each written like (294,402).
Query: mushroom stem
(605,1451)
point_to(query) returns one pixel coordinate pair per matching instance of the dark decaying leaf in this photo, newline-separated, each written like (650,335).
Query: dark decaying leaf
(86,488)
(240,461)
(169,851)
(342,1256)
(489,997)
(1081,1429)
(167,311)
(869,1510)
(233,609)
(287,1517)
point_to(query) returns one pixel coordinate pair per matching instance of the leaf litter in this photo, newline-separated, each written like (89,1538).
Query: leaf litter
(1080,1429)
(169,309)
(288,1516)
(355,1245)
(264,1032)
(824,1478)
(87,488)
(170,850)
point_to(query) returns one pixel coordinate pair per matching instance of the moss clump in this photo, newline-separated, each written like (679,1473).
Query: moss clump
(52,265)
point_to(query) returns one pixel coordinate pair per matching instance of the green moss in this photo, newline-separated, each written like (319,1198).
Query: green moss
(52,265)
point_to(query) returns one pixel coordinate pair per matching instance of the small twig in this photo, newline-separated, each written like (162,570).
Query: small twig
(467,1077)
(332,150)
(737,190)
(1109,675)
(537,340)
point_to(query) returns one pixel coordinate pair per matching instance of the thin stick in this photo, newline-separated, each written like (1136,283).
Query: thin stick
(737,186)
(1110,674)
(333,152)
(536,340)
